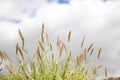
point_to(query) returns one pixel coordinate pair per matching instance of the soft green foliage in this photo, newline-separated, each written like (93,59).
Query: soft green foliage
(44,65)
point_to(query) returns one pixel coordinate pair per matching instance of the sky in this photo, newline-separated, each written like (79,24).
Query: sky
(98,20)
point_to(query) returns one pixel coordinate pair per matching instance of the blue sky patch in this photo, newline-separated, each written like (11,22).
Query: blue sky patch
(63,1)
(60,1)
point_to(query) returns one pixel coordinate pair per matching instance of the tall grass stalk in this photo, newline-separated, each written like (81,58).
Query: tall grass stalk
(47,66)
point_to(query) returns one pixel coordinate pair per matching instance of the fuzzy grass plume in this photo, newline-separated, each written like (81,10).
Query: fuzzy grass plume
(47,66)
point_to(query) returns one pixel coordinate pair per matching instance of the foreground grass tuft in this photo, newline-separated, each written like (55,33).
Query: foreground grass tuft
(44,65)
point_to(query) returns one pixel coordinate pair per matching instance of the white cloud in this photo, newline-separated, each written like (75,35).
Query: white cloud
(8,33)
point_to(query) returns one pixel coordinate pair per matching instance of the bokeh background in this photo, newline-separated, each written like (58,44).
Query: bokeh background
(98,20)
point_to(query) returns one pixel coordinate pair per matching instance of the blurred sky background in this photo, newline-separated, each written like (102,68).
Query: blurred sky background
(99,20)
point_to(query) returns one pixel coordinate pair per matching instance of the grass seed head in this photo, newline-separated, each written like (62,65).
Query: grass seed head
(38,55)
(4,56)
(41,45)
(60,52)
(85,54)
(94,70)
(47,39)
(9,69)
(106,72)
(51,48)
(90,47)
(69,35)
(21,53)
(99,52)
(42,28)
(16,48)
(64,46)
(83,41)
(42,37)
(99,66)
(58,42)
(22,38)
(91,52)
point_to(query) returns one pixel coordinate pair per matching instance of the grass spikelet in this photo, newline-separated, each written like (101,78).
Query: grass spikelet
(91,51)
(80,59)
(65,48)
(99,66)
(22,38)
(38,55)
(106,72)
(42,37)
(61,49)
(7,57)
(58,41)
(47,39)
(85,54)
(53,62)
(77,60)
(90,47)
(94,70)
(51,48)
(41,45)
(21,53)
(42,28)
(83,41)
(69,35)
(99,52)
(4,56)
(9,69)
(16,48)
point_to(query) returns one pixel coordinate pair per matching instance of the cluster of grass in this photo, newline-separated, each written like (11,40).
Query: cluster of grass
(44,65)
